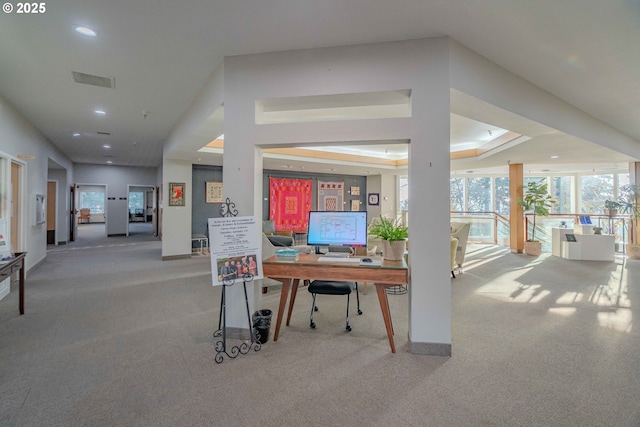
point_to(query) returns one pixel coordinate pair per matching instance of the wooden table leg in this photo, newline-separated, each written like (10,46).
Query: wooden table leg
(386,299)
(286,284)
(386,313)
(294,291)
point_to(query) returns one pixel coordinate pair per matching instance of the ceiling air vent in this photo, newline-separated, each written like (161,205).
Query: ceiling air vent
(104,133)
(93,80)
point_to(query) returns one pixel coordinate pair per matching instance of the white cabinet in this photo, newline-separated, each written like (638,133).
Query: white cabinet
(587,247)
(557,237)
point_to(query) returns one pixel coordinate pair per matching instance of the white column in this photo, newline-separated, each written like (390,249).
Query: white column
(429,229)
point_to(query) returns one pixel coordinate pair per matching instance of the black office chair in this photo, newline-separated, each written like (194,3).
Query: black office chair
(330,287)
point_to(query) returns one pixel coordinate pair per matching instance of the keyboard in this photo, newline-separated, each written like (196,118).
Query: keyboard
(333,259)
(337,254)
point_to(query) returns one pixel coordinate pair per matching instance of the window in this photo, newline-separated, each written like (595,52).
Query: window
(502,196)
(594,190)
(563,194)
(403,192)
(456,186)
(479,195)
(136,200)
(94,200)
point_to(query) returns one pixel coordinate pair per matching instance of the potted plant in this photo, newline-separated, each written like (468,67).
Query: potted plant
(536,201)
(394,236)
(611,208)
(627,204)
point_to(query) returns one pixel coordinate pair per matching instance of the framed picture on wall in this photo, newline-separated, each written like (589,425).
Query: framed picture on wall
(355,191)
(213,192)
(373,199)
(176,193)
(355,205)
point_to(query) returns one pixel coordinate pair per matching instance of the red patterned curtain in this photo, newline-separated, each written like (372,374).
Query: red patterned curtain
(290,203)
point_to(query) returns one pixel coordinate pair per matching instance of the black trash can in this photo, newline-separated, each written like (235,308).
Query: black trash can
(261,320)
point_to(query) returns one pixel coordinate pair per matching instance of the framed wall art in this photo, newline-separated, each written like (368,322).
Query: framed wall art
(176,193)
(213,192)
(374,199)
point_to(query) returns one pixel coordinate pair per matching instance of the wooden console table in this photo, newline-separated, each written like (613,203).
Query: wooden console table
(389,274)
(8,267)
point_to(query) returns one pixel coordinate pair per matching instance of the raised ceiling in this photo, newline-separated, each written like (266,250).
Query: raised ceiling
(159,54)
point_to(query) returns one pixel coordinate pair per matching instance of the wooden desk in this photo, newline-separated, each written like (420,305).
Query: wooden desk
(391,273)
(7,268)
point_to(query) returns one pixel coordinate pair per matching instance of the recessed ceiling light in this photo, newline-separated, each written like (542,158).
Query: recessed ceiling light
(76,134)
(107,146)
(109,162)
(554,157)
(85,31)
(100,112)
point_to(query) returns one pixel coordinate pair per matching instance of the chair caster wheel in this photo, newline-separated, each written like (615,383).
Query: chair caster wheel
(315,308)
(312,325)
(348,328)
(359,311)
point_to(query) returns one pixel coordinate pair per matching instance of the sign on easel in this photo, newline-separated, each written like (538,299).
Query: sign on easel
(236,249)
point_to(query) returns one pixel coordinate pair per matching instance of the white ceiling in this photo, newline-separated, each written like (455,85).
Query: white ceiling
(161,53)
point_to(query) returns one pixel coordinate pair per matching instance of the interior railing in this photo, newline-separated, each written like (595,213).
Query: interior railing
(485,227)
(494,228)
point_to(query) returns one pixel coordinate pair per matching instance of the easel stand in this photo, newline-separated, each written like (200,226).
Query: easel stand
(221,345)
(228,209)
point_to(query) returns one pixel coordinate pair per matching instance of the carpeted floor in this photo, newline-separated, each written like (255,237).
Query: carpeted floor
(114,336)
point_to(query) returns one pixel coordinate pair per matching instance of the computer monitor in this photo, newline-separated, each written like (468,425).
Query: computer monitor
(337,228)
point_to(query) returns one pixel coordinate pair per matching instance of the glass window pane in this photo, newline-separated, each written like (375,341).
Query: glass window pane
(502,195)
(456,186)
(479,194)
(594,190)
(563,193)
(136,200)
(403,191)
(94,200)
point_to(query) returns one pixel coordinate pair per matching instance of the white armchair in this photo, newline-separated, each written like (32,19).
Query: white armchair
(460,230)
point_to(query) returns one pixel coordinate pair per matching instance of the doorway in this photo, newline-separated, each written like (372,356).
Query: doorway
(91,217)
(52,200)
(16,206)
(142,210)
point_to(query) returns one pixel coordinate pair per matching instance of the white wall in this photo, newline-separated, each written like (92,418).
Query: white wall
(192,132)
(117,180)
(176,220)
(19,137)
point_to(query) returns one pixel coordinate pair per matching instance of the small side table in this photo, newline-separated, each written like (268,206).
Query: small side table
(202,241)
(8,267)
